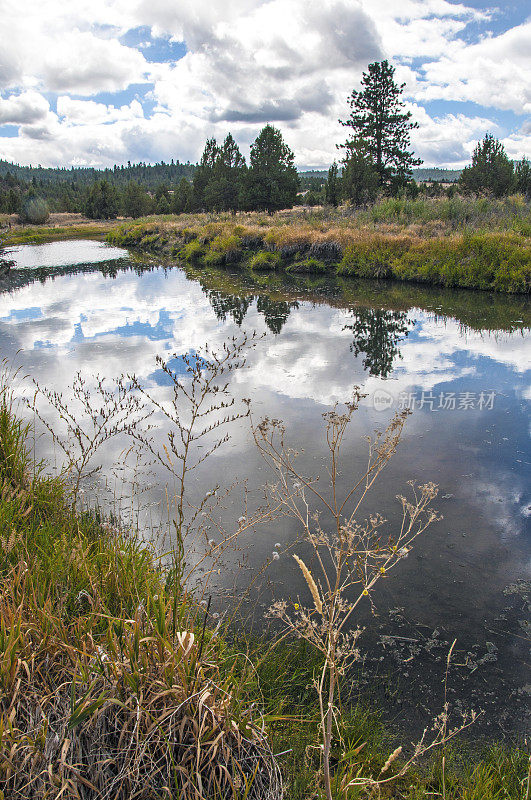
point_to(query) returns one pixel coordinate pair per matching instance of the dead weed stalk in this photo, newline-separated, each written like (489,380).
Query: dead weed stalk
(350,553)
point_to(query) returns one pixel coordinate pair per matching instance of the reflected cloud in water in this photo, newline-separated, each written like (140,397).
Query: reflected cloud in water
(319,341)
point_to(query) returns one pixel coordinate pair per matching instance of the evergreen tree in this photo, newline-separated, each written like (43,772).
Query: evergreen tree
(491,170)
(272,181)
(522,174)
(332,186)
(136,201)
(13,202)
(311,199)
(203,173)
(163,206)
(359,182)
(183,197)
(223,188)
(380,127)
(102,201)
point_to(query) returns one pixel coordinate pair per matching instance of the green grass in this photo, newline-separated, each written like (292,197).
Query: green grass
(38,234)
(458,212)
(453,242)
(264,261)
(310,266)
(499,262)
(74,585)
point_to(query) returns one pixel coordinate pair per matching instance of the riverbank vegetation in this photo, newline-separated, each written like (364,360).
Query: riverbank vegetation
(453,242)
(116,681)
(33,234)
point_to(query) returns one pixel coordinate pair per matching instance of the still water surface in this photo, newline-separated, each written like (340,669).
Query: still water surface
(460,360)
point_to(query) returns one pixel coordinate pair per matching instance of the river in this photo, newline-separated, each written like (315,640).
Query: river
(459,360)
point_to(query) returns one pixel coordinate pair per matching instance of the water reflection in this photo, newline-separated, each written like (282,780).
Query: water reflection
(322,338)
(63,254)
(377,334)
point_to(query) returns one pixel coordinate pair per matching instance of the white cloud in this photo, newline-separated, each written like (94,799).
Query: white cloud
(60,48)
(449,139)
(88,112)
(25,108)
(290,62)
(85,64)
(495,72)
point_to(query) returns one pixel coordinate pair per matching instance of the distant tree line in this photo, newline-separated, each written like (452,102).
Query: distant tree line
(377,160)
(222,181)
(67,189)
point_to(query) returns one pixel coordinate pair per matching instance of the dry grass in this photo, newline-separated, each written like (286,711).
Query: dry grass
(134,713)
(111,683)
(481,244)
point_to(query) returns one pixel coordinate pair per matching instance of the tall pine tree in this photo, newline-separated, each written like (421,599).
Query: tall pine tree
(380,127)
(223,189)
(272,180)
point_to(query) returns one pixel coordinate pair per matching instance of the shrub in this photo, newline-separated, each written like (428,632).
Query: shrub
(223,249)
(265,260)
(309,265)
(35,211)
(193,251)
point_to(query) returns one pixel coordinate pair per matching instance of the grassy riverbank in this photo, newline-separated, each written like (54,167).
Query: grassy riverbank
(112,680)
(40,234)
(461,243)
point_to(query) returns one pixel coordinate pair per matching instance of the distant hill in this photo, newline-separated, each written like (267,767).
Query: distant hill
(148,175)
(420,174)
(152,175)
(436,174)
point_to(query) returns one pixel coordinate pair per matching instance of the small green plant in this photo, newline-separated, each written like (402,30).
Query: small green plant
(265,260)
(311,266)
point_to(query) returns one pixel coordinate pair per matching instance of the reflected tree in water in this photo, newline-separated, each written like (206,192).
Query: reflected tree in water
(229,304)
(275,312)
(377,334)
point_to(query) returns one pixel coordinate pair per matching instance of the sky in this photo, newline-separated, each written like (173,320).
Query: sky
(103,82)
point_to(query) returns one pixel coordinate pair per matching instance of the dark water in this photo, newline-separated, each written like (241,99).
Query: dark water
(460,360)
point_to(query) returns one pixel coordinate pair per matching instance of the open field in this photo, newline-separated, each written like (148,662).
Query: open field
(457,242)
